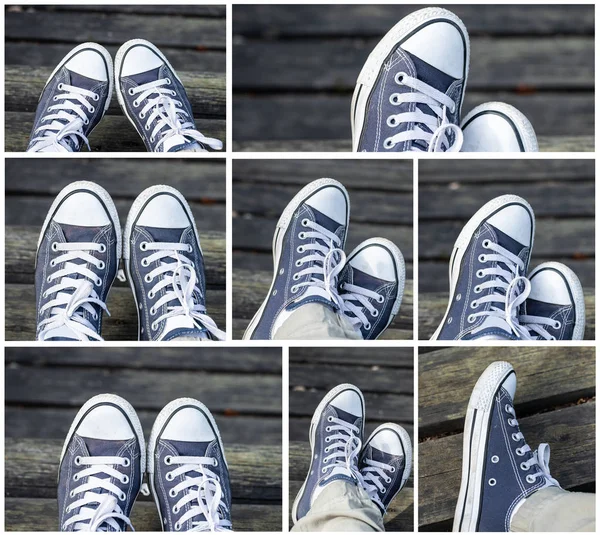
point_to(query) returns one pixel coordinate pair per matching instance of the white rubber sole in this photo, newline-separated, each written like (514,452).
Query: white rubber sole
(157,427)
(311,435)
(400,269)
(137,206)
(521,123)
(280,231)
(474,444)
(465,237)
(576,291)
(370,71)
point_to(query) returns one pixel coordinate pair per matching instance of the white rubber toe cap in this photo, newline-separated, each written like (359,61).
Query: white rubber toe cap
(490,132)
(376,261)
(549,287)
(188,424)
(140,58)
(90,63)
(349,401)
(331,202)
(387,441)
(83,209)
(164,211)
(105,422)
(515,221)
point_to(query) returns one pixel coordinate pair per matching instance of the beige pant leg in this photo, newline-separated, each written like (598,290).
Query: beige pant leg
(315,321)
(342,506)
(555,509)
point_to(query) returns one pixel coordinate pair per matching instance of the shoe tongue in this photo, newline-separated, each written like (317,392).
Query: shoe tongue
(76,233)
(191,449)
(508,243)
(102,448)
(146,77)
(365,280)
(83,82)
(346,416)
(165,235)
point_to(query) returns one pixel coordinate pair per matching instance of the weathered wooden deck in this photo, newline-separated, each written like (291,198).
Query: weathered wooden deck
(45,387)
(31,186)
(380,205)
(561,193)
(554,403)
(386,379)
(295,68)
(192,37)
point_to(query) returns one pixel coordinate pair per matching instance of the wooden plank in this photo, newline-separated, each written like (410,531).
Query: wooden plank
(23,85)
(113,134)
(115,28)
(20,324)
(41,514)
(371,175)
(51,423)
(188,10)
(399,516)
(395,357)
(255,394)
(569,431)
(516,63)
(432,307)
(546,377)
(32,464)
(372,20)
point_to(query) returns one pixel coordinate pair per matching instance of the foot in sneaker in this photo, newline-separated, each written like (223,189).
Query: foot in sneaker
(555,307)
(78,255)
(187,470)
(73,101)
(497,127)
(308,256)
(101,467)
(499,470)
(336,433)
(487,273)
(165,268)
(409,94)
(155,102)
(371,286)
(385,464)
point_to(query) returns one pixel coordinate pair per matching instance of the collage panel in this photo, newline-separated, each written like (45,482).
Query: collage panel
(124,78)
(523,261)
(351,432)
(482,413)
(67,229)
(322,258)
(177,423)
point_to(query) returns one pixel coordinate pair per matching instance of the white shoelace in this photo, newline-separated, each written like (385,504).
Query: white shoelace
(178,278)
(438,102)
(535,326)
(65,120)
(203,492)
(328,261)
(73,295)
(99,510)
(516,288)
(344,445)
(357,294)
(540,457)
(373,473)
(171,118)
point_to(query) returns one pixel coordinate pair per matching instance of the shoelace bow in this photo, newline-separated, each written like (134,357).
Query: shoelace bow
(353,294)
(179,280)
(372,474)
(327,261)
(536,326)
(73,295)
(99,510)
(345,446)
(516,288)
(66,120)
(438,102)
(203,492)
(539,458)
(171,118)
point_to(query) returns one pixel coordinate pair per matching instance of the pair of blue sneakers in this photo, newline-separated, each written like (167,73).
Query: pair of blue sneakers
(104,461)
(492,297)
(310,266)
(409,94)
(78,256)
(151,95)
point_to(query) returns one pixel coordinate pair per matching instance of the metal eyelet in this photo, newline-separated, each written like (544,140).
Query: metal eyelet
(123,497)
(126,462)
(91,109)
(281,271)
(300,249)
(101,265)
(486,244)
(330,418)
(60,86)
(380,299)
(515,437)
(524,467)
(49,278)
(172,493)
(55,99)
(175,509)
(392,469)
(398,78)
(152,311)
(154,327)
(492,482)
(557,325)
(130,91)
(190,248)
(296,277)
(482,258)
(394,99)
(375,313)
(274,293)
(143,245)
(151,294)
(215,462)
(76,477)
(530,479)
(388,143)
(102,248)
(169,476)
(52,263)
(495,459)
(458,297)
(392,121)
(177,526)
(305,222)
(144,262)
(298,263)
(519,452)
(98,282)
(86,122)
(302,235)
(142,115)
(471,318)
(135,103)
(168,80)
(367,325)
(328,429)
(148,278)
(77,461)
(94,316)
(72,494)
(474,303)
(125,480)
(388,480)
(477,289)
(294,289)
(55,246)
(167,460)
(96,97)
(479,274)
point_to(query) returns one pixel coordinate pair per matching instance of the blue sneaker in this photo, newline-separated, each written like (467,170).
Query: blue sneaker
(308,255)
(336,434)
(499,470)
(409,94)
(165,267)
(371,286)
(101,467)
(555,307)
(155,102)
(73,101)
(78,254)
(187,469)
(487,273)
(385,464)
(497,127)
